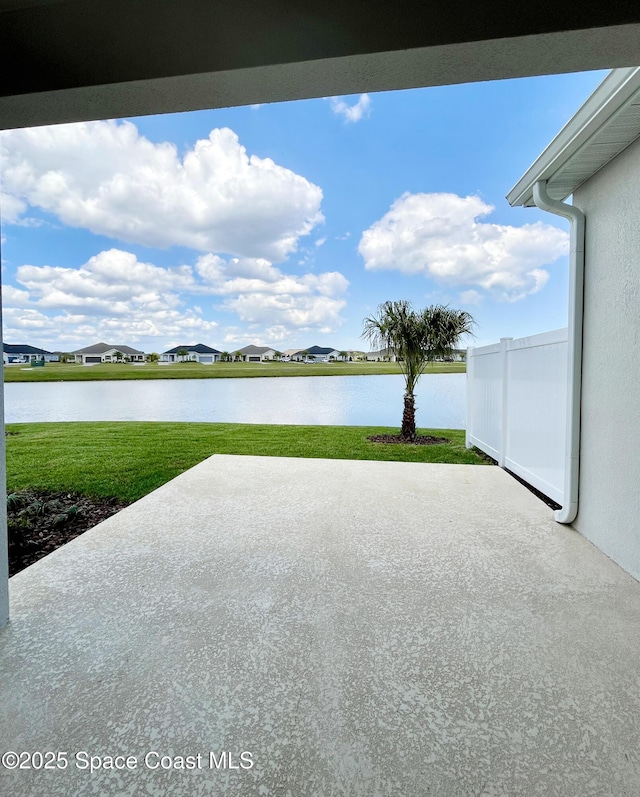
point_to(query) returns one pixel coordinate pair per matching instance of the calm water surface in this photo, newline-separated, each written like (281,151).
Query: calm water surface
(332,400)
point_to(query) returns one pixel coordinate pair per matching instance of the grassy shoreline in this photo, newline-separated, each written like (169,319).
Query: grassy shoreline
(70,372)
(127,460)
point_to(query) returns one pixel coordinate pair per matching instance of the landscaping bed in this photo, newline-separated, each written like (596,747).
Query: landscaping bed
(420,440)
(38,523)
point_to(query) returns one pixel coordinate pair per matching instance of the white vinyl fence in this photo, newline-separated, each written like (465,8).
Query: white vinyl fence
(516,411)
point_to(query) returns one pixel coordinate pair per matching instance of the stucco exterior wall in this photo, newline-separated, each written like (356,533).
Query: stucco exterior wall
(609,508)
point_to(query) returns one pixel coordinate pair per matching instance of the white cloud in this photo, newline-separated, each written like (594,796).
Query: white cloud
(277,333)
(13,297)
(303,312)
(111,283)
(107,178)
(27,319)
(352,113)
(259,293)
(72,330)
(441,236)
(247,275)
(321,241)
(114,295)
(11,207)
(471,297)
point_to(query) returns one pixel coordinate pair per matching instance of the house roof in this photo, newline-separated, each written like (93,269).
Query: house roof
(319,350)
(101,348)
(381,353)
(199,348)
(255,350)
(292,352)
(605,125)
(22,348)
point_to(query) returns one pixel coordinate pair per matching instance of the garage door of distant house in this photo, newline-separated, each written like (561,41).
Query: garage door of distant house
(206,359)
(93,360)
(254,359)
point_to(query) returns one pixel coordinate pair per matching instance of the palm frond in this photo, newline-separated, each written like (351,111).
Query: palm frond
(416,337)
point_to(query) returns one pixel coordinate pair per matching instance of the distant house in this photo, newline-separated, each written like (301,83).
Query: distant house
(319,354)
(384,355)
(197,353)
(13,354)
(291,354)
(458,355)
(388,355)
(322,355)
(256,354)
(107,353)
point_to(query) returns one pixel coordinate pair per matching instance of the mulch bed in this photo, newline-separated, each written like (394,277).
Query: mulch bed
(424,440)
(39,523)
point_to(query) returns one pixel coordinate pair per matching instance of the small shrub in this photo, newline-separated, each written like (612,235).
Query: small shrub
(15,501)
(68,514)
(41,507)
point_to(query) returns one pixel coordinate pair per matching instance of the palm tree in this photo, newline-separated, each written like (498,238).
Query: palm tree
(343,355)
(416,337)
(182,354)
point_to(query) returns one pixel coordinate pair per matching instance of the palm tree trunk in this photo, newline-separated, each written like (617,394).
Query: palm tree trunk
(408,431)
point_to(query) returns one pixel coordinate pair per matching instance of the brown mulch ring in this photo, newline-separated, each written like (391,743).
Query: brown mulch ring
(39,523)
(424,440)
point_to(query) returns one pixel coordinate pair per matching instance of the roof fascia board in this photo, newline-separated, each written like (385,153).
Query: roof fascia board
(617,87)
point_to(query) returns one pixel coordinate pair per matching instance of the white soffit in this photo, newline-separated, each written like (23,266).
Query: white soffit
(605,125)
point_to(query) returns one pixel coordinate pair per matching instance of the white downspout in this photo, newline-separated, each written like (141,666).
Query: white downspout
(576,308)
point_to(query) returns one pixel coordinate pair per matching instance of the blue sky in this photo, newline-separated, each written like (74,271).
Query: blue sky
(285,224)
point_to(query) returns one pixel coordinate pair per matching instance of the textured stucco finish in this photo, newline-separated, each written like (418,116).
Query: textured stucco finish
(439,65)
(418,629)
(609,504)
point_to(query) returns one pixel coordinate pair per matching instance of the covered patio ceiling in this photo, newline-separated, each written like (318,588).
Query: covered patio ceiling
(68,60)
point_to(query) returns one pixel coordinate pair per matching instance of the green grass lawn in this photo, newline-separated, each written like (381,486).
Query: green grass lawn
(128,460)
(70,372)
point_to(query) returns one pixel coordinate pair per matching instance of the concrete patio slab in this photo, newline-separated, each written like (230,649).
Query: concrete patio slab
(353,628)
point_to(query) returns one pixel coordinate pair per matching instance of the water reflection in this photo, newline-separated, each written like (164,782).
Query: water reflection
(332,400)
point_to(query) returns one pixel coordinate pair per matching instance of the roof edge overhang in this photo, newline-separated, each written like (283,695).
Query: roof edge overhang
(574,145)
